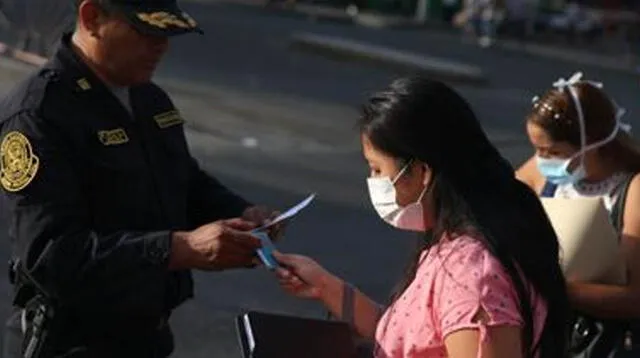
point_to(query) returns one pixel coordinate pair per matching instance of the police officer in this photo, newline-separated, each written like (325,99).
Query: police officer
(108,210)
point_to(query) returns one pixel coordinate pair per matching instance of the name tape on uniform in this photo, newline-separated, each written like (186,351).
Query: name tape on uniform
(113,136)
(168,119)
(18,164)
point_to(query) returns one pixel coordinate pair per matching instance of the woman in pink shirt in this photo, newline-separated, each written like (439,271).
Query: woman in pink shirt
(485,281)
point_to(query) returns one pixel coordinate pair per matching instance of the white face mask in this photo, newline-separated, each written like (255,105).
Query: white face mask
(382,192)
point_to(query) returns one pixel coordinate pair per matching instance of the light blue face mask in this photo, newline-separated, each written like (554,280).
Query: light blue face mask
(556,170)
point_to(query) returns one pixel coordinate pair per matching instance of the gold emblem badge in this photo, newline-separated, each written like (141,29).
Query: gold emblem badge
(113,136)
(18,164)
(168,119)
(163,19)
(84,84)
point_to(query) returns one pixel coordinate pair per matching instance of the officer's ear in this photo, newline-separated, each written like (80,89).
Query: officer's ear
(91,17)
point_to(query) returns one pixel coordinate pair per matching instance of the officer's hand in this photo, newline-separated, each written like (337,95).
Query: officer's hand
(221,245)
(261,215)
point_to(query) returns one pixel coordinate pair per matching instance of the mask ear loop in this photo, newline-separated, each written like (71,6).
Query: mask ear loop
(583,129)
(562,84)
(402,171)
(427,187)
(620,111)
(619,125)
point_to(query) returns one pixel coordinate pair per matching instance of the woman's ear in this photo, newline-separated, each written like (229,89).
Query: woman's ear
(425,171)
(428,175)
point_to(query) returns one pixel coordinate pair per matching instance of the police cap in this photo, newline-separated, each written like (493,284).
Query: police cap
(155,17)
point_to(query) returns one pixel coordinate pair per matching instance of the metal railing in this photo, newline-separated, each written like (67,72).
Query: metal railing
(35,25)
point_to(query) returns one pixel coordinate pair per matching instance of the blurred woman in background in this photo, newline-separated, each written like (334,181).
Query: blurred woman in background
(582,149)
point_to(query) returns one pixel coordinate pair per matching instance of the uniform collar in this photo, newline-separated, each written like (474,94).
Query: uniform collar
(73,69)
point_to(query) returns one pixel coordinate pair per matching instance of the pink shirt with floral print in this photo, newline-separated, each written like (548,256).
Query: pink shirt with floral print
(456,280)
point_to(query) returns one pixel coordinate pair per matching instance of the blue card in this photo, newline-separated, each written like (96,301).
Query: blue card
(265,253)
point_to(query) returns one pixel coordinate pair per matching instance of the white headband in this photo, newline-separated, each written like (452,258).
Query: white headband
(562,84)
(570,84)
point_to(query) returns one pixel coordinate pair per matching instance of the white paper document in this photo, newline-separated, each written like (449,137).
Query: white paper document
(289,213)
(589,245)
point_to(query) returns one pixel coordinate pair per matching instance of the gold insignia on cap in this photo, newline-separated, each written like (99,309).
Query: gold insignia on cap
(18,164)
(84,84)
(113,136)
(163,19)
(189,19)
(168,119)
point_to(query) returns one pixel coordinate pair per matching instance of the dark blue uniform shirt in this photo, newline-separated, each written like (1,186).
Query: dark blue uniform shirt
(93,193)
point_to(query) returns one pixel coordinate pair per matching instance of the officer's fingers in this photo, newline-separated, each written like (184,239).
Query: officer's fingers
(239,224)
(271,216)
(231,259)
(249,260)
(252,263)
(276,231)
(256,261)
(257,214)
(239,253)
(274,214)
(242,240)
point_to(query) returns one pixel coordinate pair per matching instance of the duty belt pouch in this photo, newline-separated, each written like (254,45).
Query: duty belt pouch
(38,324)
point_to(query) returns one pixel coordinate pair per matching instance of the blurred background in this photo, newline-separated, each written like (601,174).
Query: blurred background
(271,94)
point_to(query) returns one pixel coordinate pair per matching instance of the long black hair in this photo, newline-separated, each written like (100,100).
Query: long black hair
(474,191)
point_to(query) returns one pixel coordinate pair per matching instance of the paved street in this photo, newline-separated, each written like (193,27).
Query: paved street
(276,124)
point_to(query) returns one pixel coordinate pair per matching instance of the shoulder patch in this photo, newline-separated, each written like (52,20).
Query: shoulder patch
(18,164)
(168,119)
